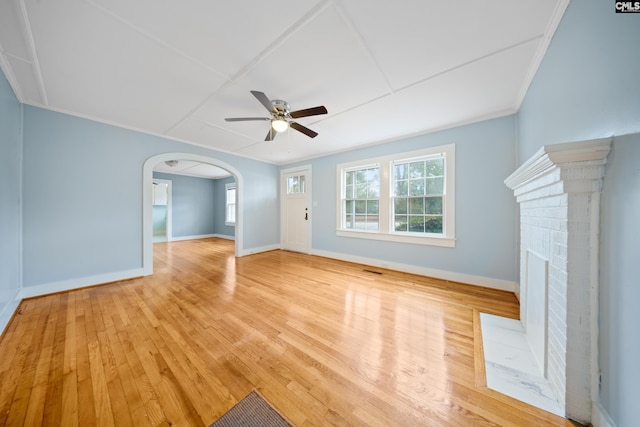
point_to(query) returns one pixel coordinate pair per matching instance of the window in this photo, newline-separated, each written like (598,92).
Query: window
(418,192)
(230,203)
(361,198)
(295,184)
(407,197)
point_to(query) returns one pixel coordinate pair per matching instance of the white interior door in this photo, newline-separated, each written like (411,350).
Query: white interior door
(296,210)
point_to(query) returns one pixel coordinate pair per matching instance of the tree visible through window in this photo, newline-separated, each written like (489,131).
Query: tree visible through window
(418,190)
(361,199)
(296,184)
(404,197)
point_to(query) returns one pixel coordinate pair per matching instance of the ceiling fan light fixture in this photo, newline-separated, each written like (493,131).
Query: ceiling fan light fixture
(279,124)
(280,115)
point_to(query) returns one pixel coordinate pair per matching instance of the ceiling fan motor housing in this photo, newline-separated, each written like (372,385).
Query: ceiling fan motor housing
(281,106)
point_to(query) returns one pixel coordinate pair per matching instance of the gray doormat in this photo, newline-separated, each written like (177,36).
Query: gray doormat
(252,411)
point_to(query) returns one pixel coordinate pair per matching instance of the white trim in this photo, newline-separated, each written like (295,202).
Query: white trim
(594,285)
(147,218)
(224,236)
(600,417)
(258,250)
(169,228)
(11,78)
(295,169)
(81,282)
(193,237)
(552,26)
(229,186)
(9,309)
(402,238)
(447,239)
(548,156)
(487,282)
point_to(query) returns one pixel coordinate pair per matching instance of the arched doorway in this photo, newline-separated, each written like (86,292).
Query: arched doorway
(147,216)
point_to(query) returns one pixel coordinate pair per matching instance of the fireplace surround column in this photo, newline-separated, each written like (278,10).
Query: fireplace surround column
(558,191)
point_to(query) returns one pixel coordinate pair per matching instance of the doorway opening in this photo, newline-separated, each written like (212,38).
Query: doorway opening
(148,196)
(161,209)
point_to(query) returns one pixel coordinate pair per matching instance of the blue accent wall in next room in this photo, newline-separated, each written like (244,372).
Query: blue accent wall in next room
(193,205)
(588,87)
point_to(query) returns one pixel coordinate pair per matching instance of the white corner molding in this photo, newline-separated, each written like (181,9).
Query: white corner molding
(558,191)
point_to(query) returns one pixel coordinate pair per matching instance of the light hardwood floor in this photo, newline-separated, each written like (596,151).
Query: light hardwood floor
(326,342)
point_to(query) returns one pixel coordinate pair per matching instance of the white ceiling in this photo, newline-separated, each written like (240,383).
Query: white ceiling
(383,69)
(190,168)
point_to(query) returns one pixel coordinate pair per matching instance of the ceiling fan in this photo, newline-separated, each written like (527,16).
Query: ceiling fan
(281,116)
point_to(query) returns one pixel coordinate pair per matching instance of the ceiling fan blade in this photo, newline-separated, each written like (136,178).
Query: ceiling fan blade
(245,119)
(303,129)
(271,135)
(260,96)
(308,112)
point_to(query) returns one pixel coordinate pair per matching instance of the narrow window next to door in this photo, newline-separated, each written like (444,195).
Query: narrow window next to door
(230,202)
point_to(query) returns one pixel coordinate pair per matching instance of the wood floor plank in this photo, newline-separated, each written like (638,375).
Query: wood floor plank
(326,342)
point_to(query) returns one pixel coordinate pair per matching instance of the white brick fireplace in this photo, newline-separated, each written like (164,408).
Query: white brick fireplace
(558,191)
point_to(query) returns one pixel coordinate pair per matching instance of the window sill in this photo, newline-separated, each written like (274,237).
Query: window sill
(230,224)
(447,242)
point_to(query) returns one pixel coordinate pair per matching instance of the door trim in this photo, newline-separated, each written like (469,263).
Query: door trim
(308,185)
(169,183)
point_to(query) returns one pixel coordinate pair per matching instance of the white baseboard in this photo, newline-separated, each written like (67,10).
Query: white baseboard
(503,285)
(81,282)
(8,310)
(67,285)
(600,417)
(224,236)
(194,237)
(251,251)
(202,236)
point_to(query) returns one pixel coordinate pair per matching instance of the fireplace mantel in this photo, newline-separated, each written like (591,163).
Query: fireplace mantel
(558,191)
(559,156)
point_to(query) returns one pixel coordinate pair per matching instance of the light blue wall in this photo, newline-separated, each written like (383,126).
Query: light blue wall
(10,193)
(82,196)
(193,205)
(620,282)
(485,208)
(220,208)
(588,84)
(587,87)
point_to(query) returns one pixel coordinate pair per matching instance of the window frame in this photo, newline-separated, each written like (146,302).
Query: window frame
(355,199)
(227,187)
(386,230)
